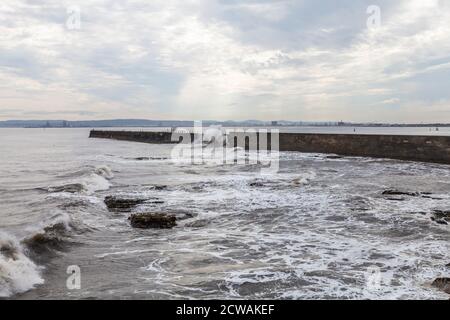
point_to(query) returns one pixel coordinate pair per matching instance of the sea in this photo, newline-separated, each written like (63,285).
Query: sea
(319,227)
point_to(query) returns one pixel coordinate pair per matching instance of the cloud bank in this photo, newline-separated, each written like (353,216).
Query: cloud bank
(222,59)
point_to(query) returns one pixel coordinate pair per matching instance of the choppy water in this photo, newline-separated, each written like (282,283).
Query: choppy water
(315,229)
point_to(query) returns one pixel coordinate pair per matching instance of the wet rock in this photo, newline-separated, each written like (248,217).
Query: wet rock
(334,157)
(395,199)
(439,221)
(148,158)
(256,184)
(160,187)
(152,220)
(440,216)
(122,204)
(448,265)
(429,195)
(418,212)
(442,284)
(394,192)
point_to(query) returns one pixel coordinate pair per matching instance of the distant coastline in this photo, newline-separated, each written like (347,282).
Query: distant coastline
(182,123)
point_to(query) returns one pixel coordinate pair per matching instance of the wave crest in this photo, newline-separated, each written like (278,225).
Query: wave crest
(17,272)
(88,184)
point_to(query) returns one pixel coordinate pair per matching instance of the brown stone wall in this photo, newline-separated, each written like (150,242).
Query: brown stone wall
(416,148)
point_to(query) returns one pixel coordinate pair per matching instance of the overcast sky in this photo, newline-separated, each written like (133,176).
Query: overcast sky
(223,59)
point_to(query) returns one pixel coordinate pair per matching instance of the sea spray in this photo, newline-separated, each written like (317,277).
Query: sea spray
(17,272)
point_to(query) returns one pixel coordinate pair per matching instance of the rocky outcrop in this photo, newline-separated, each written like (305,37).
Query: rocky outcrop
(153,220)
(149,158)
(442,284)
(256,184)
(394,192)
(115,203)
(159,187)
(122,204)
(441,217)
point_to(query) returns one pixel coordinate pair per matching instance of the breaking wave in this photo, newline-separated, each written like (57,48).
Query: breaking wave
(17,272)
(49,236)
(88,184)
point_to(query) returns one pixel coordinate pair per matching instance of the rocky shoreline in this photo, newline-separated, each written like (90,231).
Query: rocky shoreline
(158,219)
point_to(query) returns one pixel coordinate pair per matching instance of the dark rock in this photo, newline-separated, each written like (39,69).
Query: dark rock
(442,284)
(148,158)
(393,192)
(439,221)
(122,204)
(440,216)
(448,265)
(418,212)
(160,187)
(334,157)
(395,199)
(152,220)
(430,197)
(256,184)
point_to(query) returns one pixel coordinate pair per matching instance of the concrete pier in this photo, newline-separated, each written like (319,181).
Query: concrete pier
(434,149)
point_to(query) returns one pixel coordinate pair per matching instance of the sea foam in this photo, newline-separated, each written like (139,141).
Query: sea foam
(17,272)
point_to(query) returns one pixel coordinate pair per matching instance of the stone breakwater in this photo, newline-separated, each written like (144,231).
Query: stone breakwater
(434,149)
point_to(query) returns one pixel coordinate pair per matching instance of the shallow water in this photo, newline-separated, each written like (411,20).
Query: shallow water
(318,228)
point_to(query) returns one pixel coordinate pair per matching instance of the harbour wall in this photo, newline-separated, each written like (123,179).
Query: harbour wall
(434,149)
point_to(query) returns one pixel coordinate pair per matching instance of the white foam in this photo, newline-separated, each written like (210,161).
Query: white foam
(95,182)
(104,171)
(17,272)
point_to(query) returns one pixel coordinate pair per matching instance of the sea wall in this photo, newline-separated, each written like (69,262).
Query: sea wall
(136,136)
(404,147)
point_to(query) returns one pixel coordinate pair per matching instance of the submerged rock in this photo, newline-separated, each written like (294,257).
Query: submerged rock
(394,192)
(122,204)
(148,158)
(126,204)
(160,187)
(153,220)
(430,197)
(440,216)
(442,284)
(396,199)
(256,184)
(333,157)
